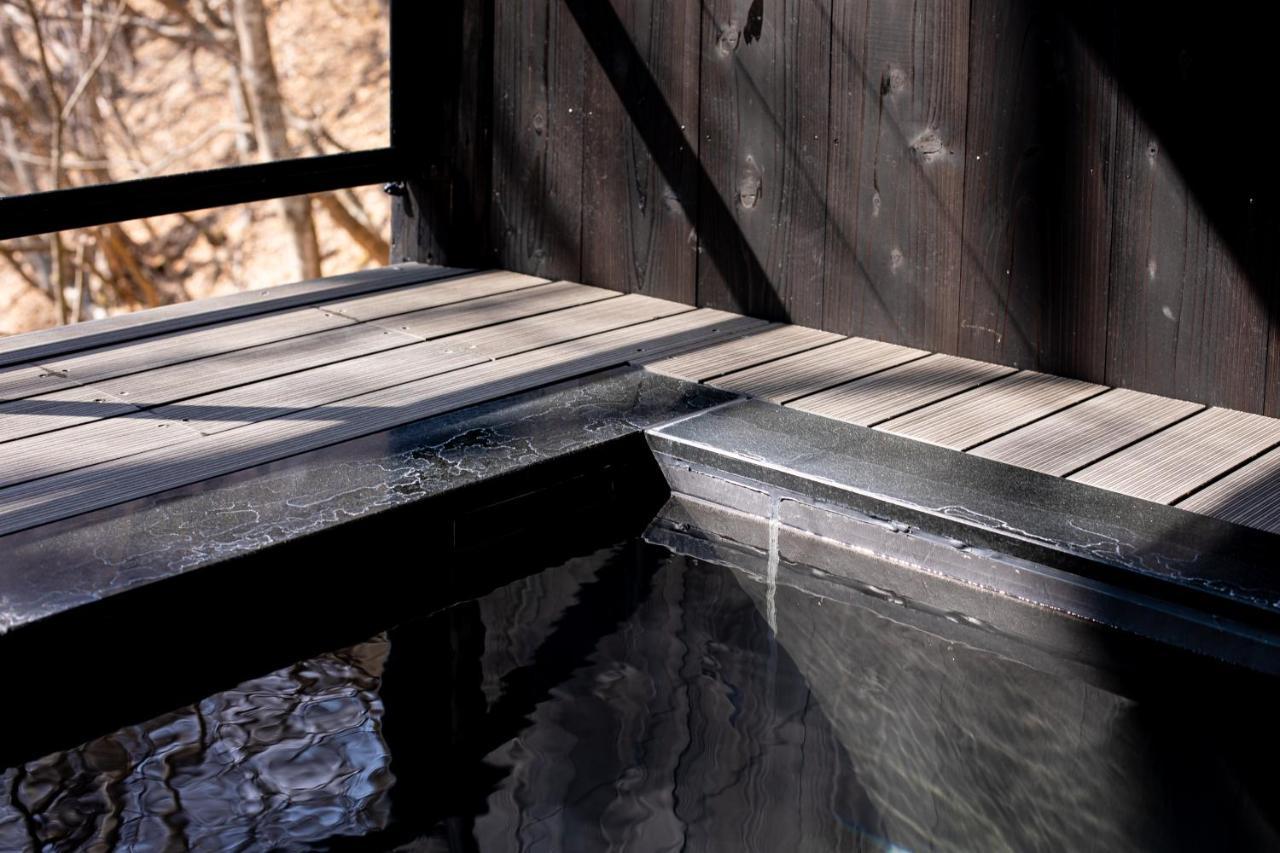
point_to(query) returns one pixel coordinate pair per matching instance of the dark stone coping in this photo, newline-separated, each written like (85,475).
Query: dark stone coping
(58,567)
(1224,572)
(1208,572)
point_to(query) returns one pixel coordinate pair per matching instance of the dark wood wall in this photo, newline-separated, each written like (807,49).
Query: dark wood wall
(1085,188)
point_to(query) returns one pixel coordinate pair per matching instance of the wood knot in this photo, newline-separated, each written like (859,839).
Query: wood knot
(750,184)
(539,123)
(894,81)
(727,43)
(928,145)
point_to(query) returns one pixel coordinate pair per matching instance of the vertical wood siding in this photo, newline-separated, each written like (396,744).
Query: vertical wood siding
(1029,183)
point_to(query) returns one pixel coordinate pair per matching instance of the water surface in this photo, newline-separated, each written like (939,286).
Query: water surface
(631,699)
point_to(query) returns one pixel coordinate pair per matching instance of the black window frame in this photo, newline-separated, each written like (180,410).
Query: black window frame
(102,204)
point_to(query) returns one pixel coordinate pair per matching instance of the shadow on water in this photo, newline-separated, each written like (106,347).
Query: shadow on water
(627,697)
(462,716)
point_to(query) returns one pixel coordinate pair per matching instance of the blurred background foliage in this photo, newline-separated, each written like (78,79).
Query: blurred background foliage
(93,91)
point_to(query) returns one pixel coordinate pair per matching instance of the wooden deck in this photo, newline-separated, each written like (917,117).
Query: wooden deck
(105,412)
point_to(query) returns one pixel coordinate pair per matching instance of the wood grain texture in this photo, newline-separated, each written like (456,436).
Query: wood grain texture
(31,380)
(240,367)
(904,266)
(640,168)
(1004,271)
(874,399)
(210,359)
(548,329)
(52,453)
(1071,439)
(49,343)
(403,300)
(1179,292)
(536,212)
(1037,185)
(998,407)
(99,365)
(1175,462)
(1249,496)
(763,131)
(161,466)
(1038,178)
(491,310)
(57,410)
(319,391)
(844,281)
(442,114)
(774,341)
(810,371)
(322,390)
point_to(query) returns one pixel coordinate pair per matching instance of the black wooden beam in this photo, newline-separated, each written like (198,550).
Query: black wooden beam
(441,102)
(80,207)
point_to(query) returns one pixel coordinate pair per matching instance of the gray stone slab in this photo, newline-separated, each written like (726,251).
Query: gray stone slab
(1163,551)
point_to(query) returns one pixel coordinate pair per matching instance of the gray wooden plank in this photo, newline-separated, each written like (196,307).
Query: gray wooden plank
(315,388)
(166,467)
(490,310)
(30,380)
(1073,438)
(775,341)
(810,371)
(196,377)
(1176,461)
(47,343)
(52,453)
(58,410)
(296,392)
(433,294)
(188,379)
(96,365)
(989,410)
(1248,496)
(546,329)
(869,401)
(729,326)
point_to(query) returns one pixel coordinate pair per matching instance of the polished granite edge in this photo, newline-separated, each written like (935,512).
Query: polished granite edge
(1047,638)
(1165,552)
(979,587)
(54,568)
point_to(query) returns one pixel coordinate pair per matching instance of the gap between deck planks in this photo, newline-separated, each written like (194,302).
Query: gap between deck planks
(459,353)
(110,414)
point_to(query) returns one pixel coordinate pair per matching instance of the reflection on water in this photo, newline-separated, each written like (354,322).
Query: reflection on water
(635,700)
(290,758)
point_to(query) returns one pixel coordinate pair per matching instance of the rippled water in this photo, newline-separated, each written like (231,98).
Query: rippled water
(635,700)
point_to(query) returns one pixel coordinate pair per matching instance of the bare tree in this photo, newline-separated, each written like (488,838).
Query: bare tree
(262,86)
(83,100)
